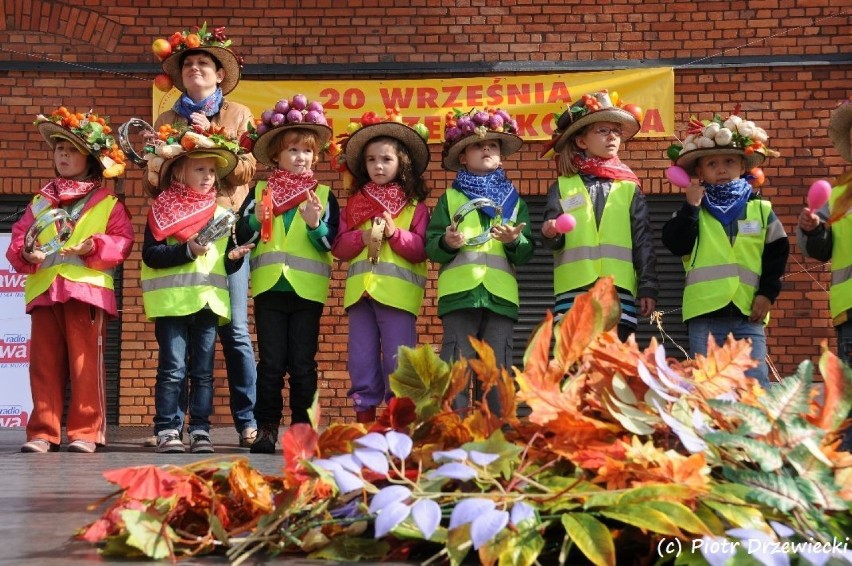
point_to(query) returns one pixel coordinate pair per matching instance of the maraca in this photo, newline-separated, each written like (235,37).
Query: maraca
(565,223)
(678,176)
(818,194)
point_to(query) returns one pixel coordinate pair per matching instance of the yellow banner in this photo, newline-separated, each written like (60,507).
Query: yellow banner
(530,99)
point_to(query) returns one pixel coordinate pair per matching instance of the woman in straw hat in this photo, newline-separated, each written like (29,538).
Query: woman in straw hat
(70,293)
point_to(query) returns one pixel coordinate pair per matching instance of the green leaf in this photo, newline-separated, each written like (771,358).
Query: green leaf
(117,546)
(496,444)
(790,397)
(352,549)
(753,421)
(681,515)
(459,544)
(669,492)
(739,515)
(741,447)
(218,530)
(591,536)
(709,518)
(776,490)
(521,549)
(147,533)
(421,376)
(822,493)
(805,464)
(631,418)
(799,432)
(643,516)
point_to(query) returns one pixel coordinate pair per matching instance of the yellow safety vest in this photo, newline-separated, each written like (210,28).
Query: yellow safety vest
(291,253)
(590,251)
(840,296)
(71,267)
(393,281)
(718,273)
(472,266)
(186,289)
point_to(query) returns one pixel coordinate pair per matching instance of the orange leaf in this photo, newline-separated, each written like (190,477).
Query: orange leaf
(459,381)
(537,354)
(606,296)
(337,439)
(723,368)
(249,487)
(147,482)
(576,330)
(298,443)
(485,365)
(835,386)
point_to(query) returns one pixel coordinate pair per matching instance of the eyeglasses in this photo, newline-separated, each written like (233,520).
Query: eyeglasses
(604,131)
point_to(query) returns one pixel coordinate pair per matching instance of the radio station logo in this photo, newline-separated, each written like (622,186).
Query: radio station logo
(12,415)
(11,281)
(14,349)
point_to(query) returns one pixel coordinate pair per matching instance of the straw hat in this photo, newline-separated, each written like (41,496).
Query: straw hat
(596,107)
(413,138)
(214,43)
(838,129)
(465,128)
(187,142)
(286,115)
(88,132)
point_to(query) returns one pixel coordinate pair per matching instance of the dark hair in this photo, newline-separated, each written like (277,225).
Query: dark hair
(94,170)
(189,52)
(413,185)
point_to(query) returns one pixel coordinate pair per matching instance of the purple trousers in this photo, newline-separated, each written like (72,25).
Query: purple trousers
(376,332)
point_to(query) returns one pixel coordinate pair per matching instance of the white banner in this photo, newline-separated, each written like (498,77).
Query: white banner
(16,402)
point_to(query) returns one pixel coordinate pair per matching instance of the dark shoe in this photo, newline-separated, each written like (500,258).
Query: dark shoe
(367,416)
(200,443)
(82,446)
(267,438)
(39,446)
(169,442)
(248,436)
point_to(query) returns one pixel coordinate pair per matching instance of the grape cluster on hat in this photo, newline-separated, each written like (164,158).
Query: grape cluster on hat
(175,143)
(88,132)
(465,128)
(286,115)
(596,107)
(371,126)
(213,42)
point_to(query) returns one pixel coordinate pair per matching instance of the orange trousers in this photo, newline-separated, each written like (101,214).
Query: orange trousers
(67,345)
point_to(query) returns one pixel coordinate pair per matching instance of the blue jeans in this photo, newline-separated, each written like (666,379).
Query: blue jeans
(239,352)
(186,351)
(741,328)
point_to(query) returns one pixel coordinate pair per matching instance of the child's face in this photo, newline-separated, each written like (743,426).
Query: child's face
(70,163)
(481,158)
(382,162)
(199,74)
(601,139)
(296,157)
(719,169)
(200,174)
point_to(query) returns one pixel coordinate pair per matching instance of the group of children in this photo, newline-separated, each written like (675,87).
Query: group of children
(734,251)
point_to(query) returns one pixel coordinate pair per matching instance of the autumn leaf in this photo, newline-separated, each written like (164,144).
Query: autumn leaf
(577,329)
(398,415)
(149,534)
(837,382)
(338,437)
(484,366)
(722,369)
(148,482)
(249,487)
(604,293)
(421,376)
(537,353)
(459,381)
(299,442)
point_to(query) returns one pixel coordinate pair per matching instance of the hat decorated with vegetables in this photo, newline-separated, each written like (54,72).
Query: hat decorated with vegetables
(88,132)
(173,143)
(732,135)
(372,126)
(601,106)
(213,41)
(838,128)
(462,129)
(286,115)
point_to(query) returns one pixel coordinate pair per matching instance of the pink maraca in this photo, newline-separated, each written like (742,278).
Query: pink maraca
(678,176)
(818,194)
(565,223)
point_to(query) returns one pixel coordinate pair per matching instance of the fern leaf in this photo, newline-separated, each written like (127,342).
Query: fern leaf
(752,421)
(804,462)
(789,398)
(799,432)
(775,490)
(822,493)
(766,456)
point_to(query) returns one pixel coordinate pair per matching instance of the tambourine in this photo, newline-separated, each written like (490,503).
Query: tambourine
(218,227)
(377,236)
(124,138)
(476,204)
(56,217)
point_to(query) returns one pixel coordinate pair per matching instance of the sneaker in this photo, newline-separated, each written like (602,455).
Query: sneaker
(82,446)
(248,436)
(200,443)
(169,442)
(39,446)
(267,438)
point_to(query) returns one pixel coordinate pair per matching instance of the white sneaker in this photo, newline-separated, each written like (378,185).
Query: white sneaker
(200,443)
(169,442)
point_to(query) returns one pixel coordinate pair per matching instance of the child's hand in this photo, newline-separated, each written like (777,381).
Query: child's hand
(35,257)
(694,194)
(311,210)
(390,227)
(240,251)
(808,221)
(507,234)
(453,238)
(85,247)
(759,308)
(197,249)
(548,229)
(647,306)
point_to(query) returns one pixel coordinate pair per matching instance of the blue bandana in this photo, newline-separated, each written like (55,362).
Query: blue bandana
(494,186)
(185,106)
(726,202)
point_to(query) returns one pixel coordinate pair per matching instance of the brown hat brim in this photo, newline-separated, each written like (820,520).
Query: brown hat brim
(222,171)
(266,139)
(226,57)
(629,124)
(509,144)
(51,131)
(413,142)
(689,159)
(838,130)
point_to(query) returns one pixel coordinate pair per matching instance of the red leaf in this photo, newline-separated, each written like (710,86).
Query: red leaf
(400,412)
(145,482)
(298,443)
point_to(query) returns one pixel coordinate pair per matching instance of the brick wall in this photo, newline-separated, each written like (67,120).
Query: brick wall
(792,101)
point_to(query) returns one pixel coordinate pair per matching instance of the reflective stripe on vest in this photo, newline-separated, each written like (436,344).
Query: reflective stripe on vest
(186,289)
(393,281)
(718,273)
(840,295)
(290,253)
(591,251)
(73,268)
(472,266)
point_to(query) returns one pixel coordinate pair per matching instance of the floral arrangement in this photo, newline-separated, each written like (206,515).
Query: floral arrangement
(624,453)
(172,140)
(95,132)
(732,132)
(460,124)
(186,39)
(286,112)
(590,103)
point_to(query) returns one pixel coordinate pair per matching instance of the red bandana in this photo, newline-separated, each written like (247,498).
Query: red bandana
(180,211)
(372,200)
(61,191)
(289,189)
(605,168)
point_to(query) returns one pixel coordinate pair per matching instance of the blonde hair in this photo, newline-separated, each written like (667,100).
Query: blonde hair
(565,160)
(177,173)
(293,136)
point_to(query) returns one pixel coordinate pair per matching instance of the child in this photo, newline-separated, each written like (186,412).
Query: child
(477,289)
(833,242)
(184,283)
(290,271)
(612,235)
(383,293)
(69,294)
(734,248)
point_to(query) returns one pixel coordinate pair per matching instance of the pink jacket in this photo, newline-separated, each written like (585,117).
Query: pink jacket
(410,244)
